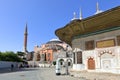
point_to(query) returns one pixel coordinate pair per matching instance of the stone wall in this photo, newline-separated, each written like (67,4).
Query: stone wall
(5,64)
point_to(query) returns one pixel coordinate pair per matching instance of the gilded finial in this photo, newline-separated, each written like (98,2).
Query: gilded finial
(97,9)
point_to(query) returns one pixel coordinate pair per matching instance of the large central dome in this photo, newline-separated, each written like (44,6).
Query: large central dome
(54,41)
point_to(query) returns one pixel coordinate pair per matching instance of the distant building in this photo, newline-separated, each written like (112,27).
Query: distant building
(29,56)
(95,41)
(51,51)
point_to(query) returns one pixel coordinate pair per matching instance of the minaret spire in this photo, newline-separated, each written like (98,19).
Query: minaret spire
(97,9)
(80,14)
(25,38)
(26,32)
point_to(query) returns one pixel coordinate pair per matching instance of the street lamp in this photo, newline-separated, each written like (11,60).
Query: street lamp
(67,67)
(58,67)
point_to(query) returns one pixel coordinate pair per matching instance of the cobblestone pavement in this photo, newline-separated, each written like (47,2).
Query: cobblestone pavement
(49,74)
(95,75)
(21,74)
(34,74)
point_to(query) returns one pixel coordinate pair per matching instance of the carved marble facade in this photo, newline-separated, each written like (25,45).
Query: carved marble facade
(104,56)
(98,37)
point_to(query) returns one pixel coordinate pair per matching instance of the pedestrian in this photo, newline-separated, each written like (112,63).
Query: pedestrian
(12,66)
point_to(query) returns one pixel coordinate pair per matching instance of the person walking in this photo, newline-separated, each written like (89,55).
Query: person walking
(12,66)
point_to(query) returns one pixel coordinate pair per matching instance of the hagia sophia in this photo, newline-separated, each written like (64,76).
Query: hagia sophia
(52,50)
(48,52)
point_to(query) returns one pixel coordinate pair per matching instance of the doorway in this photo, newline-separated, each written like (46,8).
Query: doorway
(91,63)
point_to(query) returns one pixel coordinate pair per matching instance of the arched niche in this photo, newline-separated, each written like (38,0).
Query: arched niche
(91,63)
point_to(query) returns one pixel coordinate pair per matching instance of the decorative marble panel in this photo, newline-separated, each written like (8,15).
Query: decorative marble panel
(89,45)
(105,43)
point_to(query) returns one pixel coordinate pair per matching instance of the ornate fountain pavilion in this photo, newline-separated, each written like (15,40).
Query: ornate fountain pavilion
(98,38)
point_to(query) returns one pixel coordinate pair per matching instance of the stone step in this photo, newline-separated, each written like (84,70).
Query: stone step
(95,75)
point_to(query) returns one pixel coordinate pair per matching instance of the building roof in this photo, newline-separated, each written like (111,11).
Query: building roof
(101,21)
(54,41)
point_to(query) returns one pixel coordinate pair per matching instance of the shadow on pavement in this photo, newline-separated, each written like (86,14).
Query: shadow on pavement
(8,70)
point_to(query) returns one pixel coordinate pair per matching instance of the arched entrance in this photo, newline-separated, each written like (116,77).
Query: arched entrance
(38,57)
(61,61)
(91,63)
(69,62)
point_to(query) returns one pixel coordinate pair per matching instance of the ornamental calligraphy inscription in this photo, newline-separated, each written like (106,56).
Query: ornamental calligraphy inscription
(105,43)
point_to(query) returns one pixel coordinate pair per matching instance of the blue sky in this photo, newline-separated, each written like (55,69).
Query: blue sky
(43,17)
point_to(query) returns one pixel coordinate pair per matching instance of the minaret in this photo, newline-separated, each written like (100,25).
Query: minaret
(97,9)
(80,14)
(25,39)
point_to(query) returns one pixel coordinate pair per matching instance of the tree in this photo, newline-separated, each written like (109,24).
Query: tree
(1,56)
(9,56)
(20,54)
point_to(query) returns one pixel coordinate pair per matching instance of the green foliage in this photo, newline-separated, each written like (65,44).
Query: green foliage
(20,53)
(61,60)
(9,56)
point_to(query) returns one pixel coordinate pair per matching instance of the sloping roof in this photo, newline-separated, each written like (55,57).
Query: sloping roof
(101,21)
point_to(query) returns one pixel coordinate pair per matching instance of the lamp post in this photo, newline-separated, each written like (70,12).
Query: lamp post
(67,67)
(67,60)
(58,67)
